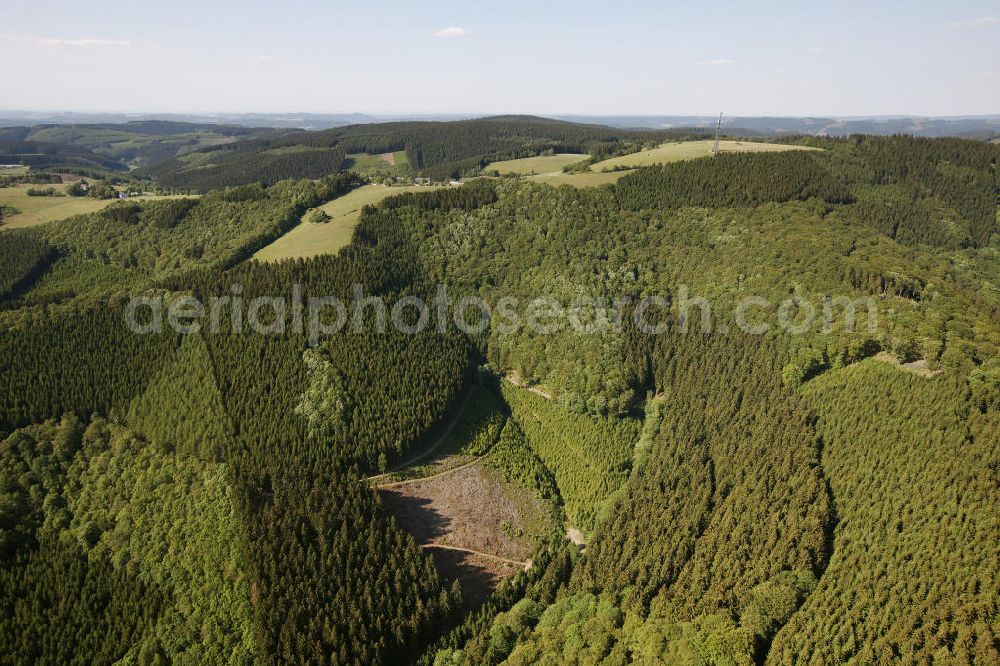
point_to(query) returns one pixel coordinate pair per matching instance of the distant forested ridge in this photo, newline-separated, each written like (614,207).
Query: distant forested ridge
(44,155)
(264,160)
(119,146)
(438,150)
(441,150)
(732,179)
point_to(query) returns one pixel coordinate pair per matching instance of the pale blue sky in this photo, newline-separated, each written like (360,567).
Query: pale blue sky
(749,58)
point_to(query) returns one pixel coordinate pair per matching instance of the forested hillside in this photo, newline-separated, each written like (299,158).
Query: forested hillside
(130,144)
(912,573)
(23,258)
(798,494)
(567,244)
(589,457)
(437,150)
(719,537)
(282,464)
(46,154)
(129,244)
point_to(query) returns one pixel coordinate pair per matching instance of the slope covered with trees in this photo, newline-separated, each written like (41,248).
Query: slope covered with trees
(290,479)
(23,258)
(203,498)
(81,360)
(50,155)
(914,568)
(181,409)
(589,457)
(128,245)
(732,179)
(730,497)
(135,143)
(571,247)
(936,192)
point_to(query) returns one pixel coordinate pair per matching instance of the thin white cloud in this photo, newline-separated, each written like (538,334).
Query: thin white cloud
(57,41)
(454,31)
(717,62)
(982,22)
(815,49)
(264,58)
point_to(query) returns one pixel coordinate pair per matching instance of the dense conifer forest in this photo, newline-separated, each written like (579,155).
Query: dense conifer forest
(47,154)
(804,495)
(23,258)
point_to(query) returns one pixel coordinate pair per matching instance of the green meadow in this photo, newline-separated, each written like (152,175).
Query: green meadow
(542,164)
(310,240)
(687,150)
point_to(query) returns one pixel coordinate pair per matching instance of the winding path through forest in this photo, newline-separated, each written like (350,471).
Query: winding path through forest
(393,484)
(514,379)
(525,564)
(572,534)
(432,448)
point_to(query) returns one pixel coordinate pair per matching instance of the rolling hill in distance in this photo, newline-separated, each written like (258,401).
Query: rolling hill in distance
(940,126)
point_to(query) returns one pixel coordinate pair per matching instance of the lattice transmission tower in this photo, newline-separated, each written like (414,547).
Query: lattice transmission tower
(718,130)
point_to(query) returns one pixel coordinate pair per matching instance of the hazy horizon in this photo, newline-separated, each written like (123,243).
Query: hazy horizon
(485,114)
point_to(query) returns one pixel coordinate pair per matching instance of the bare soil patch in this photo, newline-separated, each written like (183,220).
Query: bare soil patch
(468,508)
(516,379)
(388,158)
(919,366)
(576,537)
(477,575)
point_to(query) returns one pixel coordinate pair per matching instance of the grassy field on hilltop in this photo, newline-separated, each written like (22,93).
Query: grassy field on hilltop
(540,164)
(310,240)
(686,150)
(581,179)
(366,161)
(39,210)
(549,169)
(16,171)
(378,165)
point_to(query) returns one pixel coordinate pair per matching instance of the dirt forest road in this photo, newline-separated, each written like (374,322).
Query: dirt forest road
(525,564)
(432,448)
(518,382)
(418,479)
